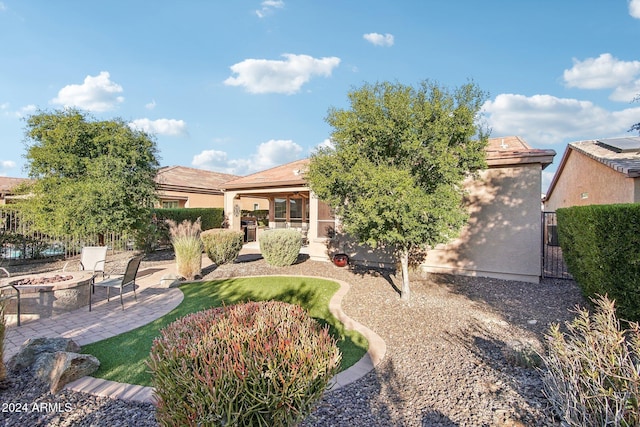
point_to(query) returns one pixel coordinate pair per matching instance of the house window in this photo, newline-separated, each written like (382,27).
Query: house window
(295,213)
(280,212)
(326,220)
(170,204)
(256,206)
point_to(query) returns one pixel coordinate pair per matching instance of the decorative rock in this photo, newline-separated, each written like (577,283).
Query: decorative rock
(169,281)
(34,347)
(61,368)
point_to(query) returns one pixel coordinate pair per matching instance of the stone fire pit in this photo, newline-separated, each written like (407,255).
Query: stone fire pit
(48,294)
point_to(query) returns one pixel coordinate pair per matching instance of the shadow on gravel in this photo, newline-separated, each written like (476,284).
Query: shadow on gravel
(531,306)
(513,366)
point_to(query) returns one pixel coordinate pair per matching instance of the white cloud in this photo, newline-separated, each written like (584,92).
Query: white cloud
(6,166)
(269,154)
(634,8)
(97,93)
(379,39)
(606,72)
(20,113)
(268,6)
(545,119)
(150,105)
(274,76)
(169,127)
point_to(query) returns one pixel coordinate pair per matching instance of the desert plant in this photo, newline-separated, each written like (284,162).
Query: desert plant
(593,372)
(253,364)
(280,247)
(222,246)
(185,238)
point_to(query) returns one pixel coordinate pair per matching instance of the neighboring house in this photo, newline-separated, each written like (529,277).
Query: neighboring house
(594,172)
(503,238)
(7,185)
(183,187)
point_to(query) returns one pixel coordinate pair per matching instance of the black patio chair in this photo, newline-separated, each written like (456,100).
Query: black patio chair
(121,281)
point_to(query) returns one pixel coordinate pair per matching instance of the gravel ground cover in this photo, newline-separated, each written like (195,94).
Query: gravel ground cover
(450,361)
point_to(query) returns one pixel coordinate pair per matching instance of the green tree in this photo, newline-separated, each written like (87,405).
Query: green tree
(395,172)
(90,176)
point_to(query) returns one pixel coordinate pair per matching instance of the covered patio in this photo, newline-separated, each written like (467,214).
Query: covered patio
(291,205)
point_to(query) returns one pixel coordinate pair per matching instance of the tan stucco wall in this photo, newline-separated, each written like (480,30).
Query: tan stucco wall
(503,237)
(194,200)
(583,176)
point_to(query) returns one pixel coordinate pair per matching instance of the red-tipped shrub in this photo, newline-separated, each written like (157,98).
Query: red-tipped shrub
(259,363)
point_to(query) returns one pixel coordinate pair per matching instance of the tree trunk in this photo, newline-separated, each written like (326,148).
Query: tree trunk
(405,292)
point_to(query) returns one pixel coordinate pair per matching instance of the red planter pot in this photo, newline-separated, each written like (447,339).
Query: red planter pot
(341,260)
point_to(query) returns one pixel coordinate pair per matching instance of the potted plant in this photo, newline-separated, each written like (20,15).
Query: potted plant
(341,259)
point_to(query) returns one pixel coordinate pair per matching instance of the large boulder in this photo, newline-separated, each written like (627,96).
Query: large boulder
(57,361)
(34,347)
(62,367)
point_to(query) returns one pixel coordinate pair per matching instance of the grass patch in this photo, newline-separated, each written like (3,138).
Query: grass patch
(122,357)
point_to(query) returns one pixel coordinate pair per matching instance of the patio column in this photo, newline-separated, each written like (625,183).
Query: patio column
(232,209)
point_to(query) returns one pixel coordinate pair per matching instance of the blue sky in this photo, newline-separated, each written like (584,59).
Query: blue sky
(240,86)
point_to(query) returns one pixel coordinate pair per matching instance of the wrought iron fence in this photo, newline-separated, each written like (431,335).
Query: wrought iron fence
(553,264)
(18,241)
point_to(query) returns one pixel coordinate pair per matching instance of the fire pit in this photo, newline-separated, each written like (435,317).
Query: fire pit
(48,294)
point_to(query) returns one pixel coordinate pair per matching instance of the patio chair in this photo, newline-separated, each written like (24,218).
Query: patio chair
(13,293)
(93,259)
(121,281)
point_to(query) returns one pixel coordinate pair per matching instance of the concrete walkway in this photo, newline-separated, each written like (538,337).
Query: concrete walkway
(153,301)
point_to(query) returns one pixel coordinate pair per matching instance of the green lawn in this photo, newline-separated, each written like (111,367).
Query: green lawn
(122,358)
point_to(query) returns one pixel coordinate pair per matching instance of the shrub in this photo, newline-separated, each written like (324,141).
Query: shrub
(209,217)
(185,238)
(253,364)
(601,245)
(280,247)
(593,374)
(222,246)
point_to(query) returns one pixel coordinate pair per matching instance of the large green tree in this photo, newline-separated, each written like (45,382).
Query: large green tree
(90,176)
(395,172)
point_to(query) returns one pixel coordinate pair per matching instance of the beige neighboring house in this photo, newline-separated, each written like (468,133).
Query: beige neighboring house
(7,185)
(184,187)
(503,238)
(595,172)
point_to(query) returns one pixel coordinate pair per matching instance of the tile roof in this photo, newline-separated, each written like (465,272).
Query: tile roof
(279,176)
(507,151)
(512,150)
(182,178)
(627,163)
(8,184)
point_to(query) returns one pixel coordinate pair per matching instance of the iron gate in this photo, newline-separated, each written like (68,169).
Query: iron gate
(553,264)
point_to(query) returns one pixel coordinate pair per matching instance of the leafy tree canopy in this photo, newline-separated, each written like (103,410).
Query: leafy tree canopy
(398,161)
(90,176)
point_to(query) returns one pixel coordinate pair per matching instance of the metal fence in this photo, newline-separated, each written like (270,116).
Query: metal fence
(18,241)
(553,264)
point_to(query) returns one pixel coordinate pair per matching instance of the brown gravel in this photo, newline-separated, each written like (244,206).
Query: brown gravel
(450,357)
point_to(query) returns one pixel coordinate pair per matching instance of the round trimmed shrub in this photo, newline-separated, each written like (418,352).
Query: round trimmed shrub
(253,364)
(222,246)
(280,247)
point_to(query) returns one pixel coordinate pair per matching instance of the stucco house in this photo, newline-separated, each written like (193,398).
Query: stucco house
(184,187)
(601,171)
(503,238)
